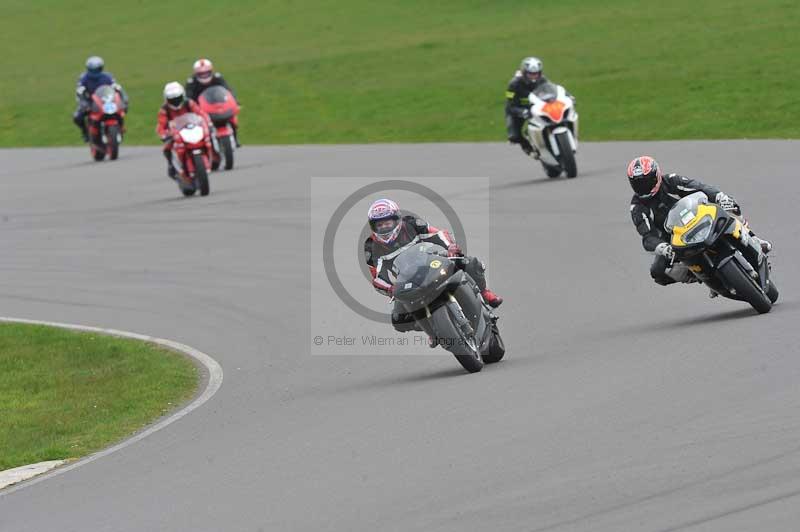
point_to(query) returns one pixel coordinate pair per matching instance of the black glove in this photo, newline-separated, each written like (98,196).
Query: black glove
(526,114)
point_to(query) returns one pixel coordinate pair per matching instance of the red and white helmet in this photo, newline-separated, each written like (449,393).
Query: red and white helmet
(203,70)
(384,220)
(644,176)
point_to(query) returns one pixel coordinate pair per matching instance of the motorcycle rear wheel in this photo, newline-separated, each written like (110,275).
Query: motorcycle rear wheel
(497,349)
(552,171)
(772,291)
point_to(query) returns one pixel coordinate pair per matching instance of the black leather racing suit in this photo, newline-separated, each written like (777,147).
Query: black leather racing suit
(194,88)
(380,257)
(649,215)
(519,88)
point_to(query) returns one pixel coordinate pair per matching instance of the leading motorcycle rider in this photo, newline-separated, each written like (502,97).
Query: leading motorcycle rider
(654,195)
(530,76)
(390,232)
(175,104)
(203,77)
(87,84)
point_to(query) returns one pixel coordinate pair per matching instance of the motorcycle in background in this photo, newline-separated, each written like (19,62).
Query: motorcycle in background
(552,129)
(192,152)
(220,105)
(105,121)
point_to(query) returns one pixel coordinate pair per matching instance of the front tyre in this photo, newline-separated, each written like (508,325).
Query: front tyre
(450,336)
(566,156)
(113,136)
(227,151)
(201,174)
(745,286)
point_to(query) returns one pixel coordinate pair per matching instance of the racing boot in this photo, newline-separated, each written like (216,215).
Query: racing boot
(766,245)
(492,299)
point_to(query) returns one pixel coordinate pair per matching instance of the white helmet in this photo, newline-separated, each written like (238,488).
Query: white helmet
(531,68)
(174,94)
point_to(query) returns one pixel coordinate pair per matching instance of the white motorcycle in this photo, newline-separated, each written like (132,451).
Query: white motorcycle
(552,129)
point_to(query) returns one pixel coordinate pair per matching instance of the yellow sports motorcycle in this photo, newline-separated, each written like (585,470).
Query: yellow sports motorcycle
(720,251)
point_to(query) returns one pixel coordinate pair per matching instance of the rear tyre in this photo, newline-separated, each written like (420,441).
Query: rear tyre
(745,286)
(567,157)
(188,191)
(450,336)
(497,349)
(113,142)
(201,175)
(552,171)
(772,292)
(227,151)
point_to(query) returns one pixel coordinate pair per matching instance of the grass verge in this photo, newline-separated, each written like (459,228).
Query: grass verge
(66,394)
(324,71)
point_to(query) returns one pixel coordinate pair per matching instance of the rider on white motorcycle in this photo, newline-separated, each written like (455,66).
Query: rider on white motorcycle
(525,80)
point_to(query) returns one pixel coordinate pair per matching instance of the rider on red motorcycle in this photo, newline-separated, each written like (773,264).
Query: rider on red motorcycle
(205,77)
(175,104)
(88,82)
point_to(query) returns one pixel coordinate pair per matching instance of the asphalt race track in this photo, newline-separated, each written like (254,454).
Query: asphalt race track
(621,405)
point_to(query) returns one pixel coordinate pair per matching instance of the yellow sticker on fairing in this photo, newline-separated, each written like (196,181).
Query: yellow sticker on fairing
(436,263)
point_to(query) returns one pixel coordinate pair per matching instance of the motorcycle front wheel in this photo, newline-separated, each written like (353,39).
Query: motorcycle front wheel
(201,175)
(450,336)
(226,146)
(567,156)
(745,286)
(112,134)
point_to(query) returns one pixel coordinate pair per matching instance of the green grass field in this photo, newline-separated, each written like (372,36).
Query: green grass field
(65,394)
(324,71)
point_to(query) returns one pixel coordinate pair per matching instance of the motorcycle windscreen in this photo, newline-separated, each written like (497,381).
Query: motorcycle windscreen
(684,211)
(216,94)
(187,119)
(546,91)
(420,269)
(108,98)
(105,92)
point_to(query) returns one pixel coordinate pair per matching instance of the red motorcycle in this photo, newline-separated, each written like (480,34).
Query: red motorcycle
(192,151)
(106,115)
(221,106)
